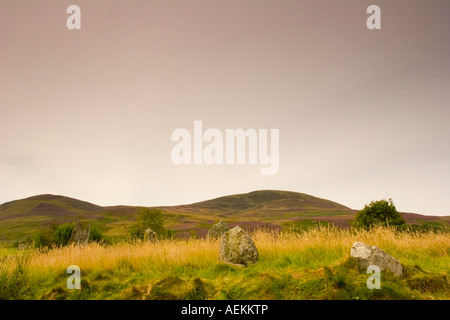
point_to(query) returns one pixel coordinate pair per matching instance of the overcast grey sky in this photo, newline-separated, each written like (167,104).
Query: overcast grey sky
(363,115)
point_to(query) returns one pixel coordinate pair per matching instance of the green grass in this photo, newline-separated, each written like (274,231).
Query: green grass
(276,280)
(14,279)
(304,225)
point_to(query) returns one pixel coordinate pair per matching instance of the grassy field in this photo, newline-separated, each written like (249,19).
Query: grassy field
(308,265)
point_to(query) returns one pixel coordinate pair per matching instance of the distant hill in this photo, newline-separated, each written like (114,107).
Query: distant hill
(263,202)
(273,209)
(46,204)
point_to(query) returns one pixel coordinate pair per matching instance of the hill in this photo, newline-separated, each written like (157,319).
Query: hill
(46,204)
(266,201)
(270,209)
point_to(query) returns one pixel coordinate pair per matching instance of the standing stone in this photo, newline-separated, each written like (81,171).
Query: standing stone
(218,229)
(366,255)
(150,235)
(237,247)
(80,233)
(23,245)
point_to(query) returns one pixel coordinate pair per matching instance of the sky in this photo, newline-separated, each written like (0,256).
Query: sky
(362,114)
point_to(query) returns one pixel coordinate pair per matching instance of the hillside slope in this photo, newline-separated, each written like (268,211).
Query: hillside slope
(271,209)
(46,204)
(265,201)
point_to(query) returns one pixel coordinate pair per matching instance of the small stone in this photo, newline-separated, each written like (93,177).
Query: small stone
(366,255)
(150,235)
(80,233)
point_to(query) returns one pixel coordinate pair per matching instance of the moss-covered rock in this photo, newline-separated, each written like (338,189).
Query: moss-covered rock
(218,229)
(238,248)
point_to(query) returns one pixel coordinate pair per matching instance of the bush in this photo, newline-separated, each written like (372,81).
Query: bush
(379,213)
(59,235)
(95,235)
(62,233)
(148,219)
(44,238)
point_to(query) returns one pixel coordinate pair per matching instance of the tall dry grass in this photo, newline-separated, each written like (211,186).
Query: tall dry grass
(324,245)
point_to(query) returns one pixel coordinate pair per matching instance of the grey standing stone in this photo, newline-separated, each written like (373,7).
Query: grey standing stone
(150,235)
(238,248)
(23,246)
(218,229)
(80,233)
(366,255)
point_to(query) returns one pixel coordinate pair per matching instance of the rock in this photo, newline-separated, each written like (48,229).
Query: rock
(218,229)
(150,235)
(366,255)
(80,233)
(238,248)
(23,246)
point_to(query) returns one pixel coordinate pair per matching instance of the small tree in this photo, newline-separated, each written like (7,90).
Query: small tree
(378,213)
(147,219)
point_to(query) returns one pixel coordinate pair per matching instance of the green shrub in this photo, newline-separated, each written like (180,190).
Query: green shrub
(62,233)
(379,213)
(44,238)
(149,219)
(95,235)
(59,235)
